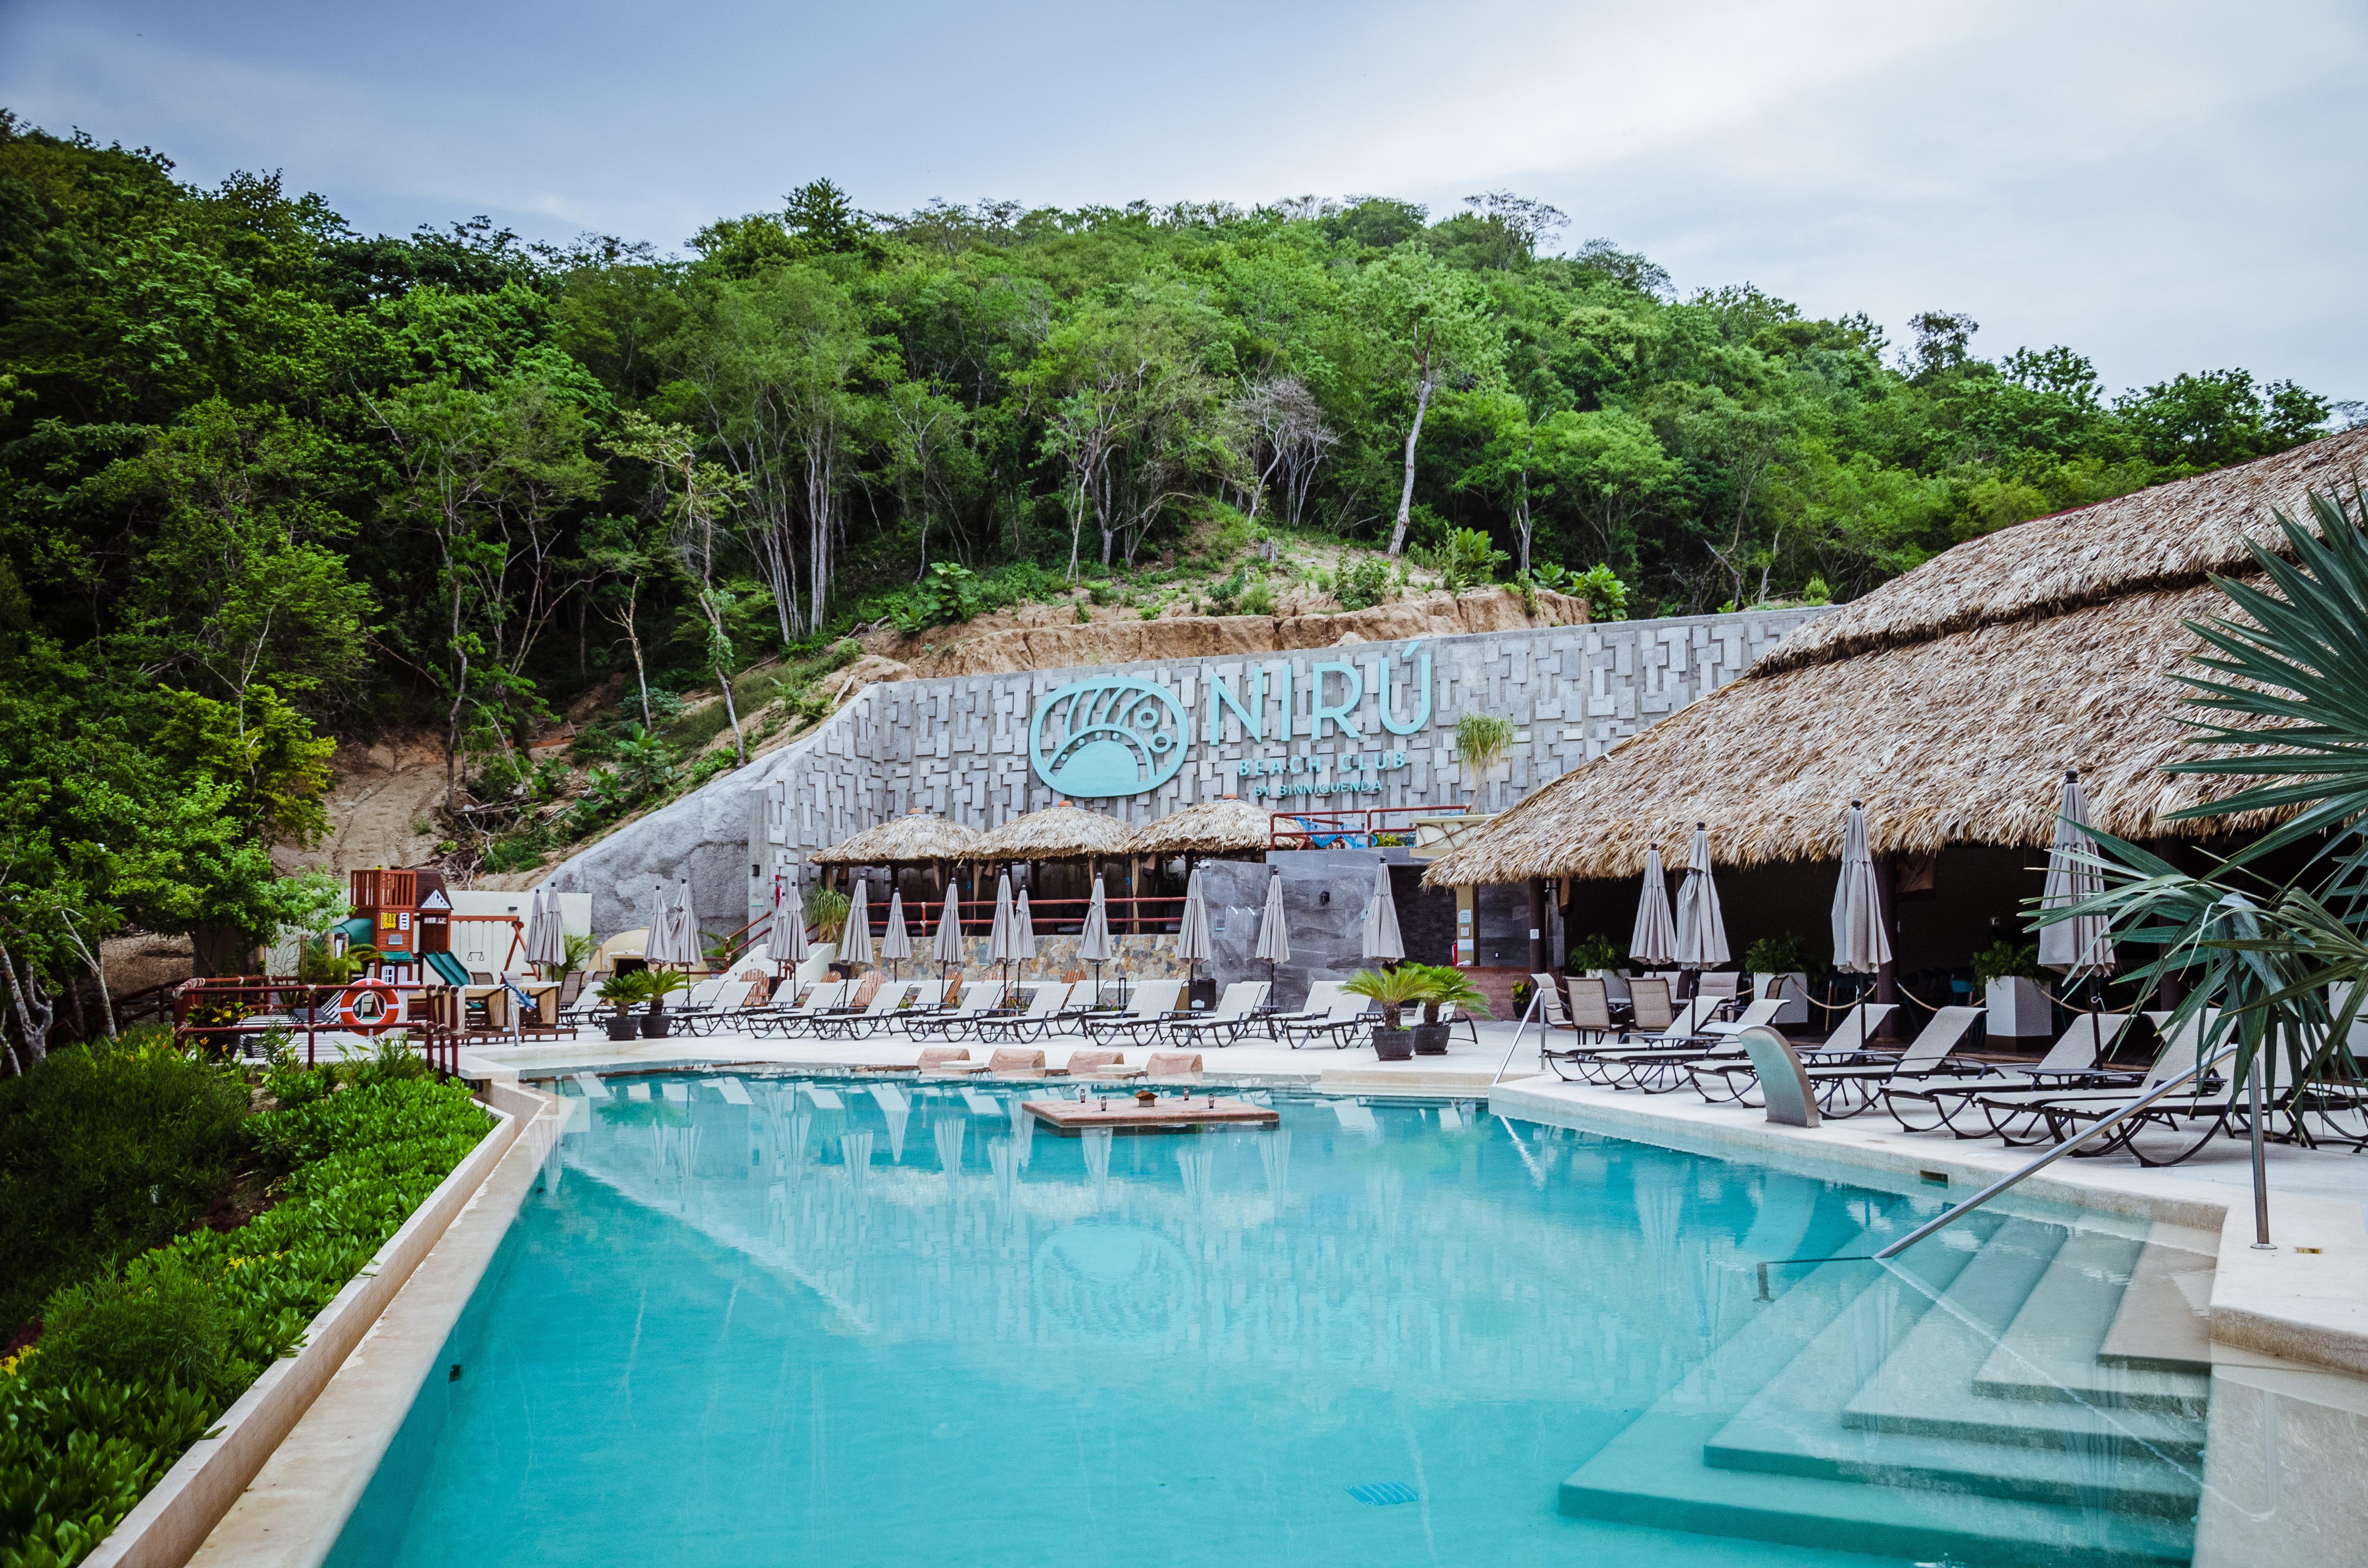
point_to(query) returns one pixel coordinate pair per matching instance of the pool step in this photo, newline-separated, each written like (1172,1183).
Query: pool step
(1859,1420)
(2053,1352)
(2164,1318)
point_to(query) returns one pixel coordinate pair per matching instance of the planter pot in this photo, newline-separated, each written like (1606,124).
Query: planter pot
(1393,1045)
(623,1027)
(2018,1008)
(654,1022)
(1429,1040)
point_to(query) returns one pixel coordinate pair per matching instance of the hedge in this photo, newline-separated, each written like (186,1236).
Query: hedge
(134,1366)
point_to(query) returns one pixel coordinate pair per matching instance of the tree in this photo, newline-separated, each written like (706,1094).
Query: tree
(622,562)
(1434,327)
(693,492)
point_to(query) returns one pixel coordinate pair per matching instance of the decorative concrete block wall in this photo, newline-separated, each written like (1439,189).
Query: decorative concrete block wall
(958,747)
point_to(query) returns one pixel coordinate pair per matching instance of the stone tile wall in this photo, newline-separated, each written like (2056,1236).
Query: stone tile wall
(957,747)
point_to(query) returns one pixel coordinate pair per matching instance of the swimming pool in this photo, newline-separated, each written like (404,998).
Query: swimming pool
(755,1320)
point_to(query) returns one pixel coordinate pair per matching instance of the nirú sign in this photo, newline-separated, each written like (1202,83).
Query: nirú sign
(1115,735)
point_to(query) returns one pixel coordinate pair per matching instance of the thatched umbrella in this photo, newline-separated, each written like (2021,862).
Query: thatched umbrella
(896,942)
(2082,946)
(857,947)
(1381,936)
(1274,936)
(1064,832)
(1701,928)
(1860,944)
(915,838)
(1654,941)
(950,937)
(1230,826)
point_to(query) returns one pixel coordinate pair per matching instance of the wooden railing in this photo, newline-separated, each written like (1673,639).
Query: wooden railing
(219,1014)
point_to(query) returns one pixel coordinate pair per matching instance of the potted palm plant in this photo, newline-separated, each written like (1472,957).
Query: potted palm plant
(661,984)
(1446,985)
(621,991)
(1394,989)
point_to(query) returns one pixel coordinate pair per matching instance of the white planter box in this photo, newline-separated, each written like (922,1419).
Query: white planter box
(2019,1009)
(1792,987)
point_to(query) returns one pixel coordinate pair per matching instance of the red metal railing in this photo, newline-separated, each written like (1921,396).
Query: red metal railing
(218,1012)
(1352,828)
(1050,916)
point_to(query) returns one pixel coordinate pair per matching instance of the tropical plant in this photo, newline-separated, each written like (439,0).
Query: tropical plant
(1606,595)
(579,946)
(1445,985)
(1466,560)
(2004,960)
(1481,742)
(663,983)
(1364,585)
(1598,951)
(1780,954)
(2290,655)
(624,988)
(826,912)
(317,965)
(1395,989)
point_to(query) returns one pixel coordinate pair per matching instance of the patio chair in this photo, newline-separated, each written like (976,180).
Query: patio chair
(2070,1063)
(1593,1011)
(1032,1022)
(1154,1001)
(1681,1036)
(1226,1024)
(1649,1006)
(1724,986)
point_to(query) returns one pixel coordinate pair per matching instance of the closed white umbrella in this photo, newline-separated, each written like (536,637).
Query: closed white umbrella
(1192,930)
(1274,934)
(670,942)
(950,937)
(895,943)
(1023,933)
(1701,928)
(857,947)
(1654,941)
(786,945)
(2083,946)
(1860,944)
(1003,936)
(546,946)
(1094,944)
(1382,939)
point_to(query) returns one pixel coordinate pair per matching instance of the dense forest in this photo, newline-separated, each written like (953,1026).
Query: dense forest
(265,480)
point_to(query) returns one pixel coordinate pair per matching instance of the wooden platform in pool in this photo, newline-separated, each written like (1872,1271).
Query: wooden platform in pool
(1168,1113)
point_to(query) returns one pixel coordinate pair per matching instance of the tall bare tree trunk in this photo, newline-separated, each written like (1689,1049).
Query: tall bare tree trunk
(1421,405)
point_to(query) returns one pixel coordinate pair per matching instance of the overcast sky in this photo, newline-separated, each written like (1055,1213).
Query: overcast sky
(2167,185)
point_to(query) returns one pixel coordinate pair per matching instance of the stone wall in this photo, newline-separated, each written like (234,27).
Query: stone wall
(958,747)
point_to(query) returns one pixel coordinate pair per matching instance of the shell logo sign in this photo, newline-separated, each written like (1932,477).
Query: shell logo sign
(1108,736)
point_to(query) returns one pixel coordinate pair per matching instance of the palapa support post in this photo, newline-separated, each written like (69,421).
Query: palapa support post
(1537,924)
(1886,975)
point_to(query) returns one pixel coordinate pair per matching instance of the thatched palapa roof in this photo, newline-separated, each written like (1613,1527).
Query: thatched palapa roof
(1948,701)
(916,836)
(1066,832)
(1229,827)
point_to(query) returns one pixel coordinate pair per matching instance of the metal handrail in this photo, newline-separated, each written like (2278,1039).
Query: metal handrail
(1957,1211)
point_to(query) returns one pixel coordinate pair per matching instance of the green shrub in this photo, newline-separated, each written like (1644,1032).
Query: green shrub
(1466,560)
(1255,599)
(1816,591)
(949,592)
(106,1150)
(162,1326)
(1364,585)
(1606,595)
(1596,952)
(2004,960)
(85,1434)
(1780,954)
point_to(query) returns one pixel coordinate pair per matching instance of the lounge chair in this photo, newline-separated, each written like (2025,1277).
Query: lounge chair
(977,998)
(2070,1063)
(1852,1040)
(1032,1022)
(730,1003)
(1649,1005)
(1844,1090)
(1724,986)
(2037,1115)
(1593,1012)
(1225,1025)
(1680,1037)
(1153,1002)
(824,999)
(1695,1039)
(1329,1014)
(856,1023)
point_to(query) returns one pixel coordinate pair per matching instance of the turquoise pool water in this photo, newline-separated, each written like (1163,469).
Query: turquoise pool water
(773,1320)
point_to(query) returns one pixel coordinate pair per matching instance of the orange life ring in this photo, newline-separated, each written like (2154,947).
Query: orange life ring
(368,1005)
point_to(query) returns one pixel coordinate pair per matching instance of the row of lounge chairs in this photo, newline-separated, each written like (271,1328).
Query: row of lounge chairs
(1929,1086)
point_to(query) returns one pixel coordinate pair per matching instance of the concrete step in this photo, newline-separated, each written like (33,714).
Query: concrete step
(1927,1386)
(2049,1355)
(1652,1474)
(2164,1321)
(1793,1426)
